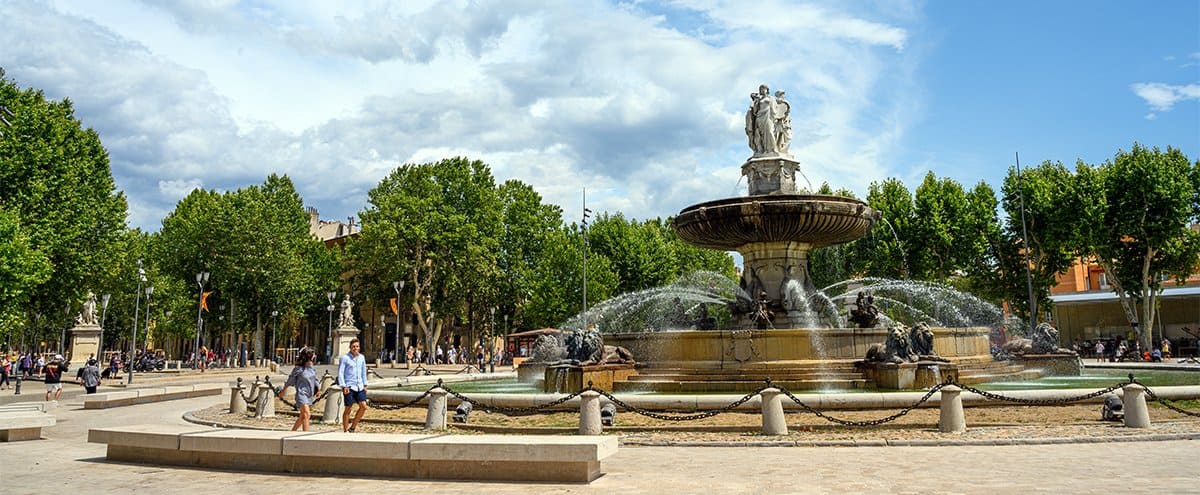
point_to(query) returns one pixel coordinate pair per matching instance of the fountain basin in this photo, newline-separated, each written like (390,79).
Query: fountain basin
(568,379)
(815,220)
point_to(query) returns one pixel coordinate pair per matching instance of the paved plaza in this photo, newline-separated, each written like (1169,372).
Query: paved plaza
(63,462)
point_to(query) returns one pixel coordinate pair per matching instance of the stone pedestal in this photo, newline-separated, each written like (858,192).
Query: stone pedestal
(772,174)
(341,341)
(570,379)
(931,373)
(892,376)
(85,341)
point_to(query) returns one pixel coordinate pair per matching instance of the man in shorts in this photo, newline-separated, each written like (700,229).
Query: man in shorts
(352,375)
(53,376)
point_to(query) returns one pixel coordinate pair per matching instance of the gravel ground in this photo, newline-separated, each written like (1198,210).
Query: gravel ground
(1080,422)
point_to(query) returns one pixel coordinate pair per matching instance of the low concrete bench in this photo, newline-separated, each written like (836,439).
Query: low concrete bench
(420,456)
(18,425)
(145,395)
(25,406)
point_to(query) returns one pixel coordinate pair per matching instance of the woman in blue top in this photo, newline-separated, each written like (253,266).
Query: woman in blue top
(304,378)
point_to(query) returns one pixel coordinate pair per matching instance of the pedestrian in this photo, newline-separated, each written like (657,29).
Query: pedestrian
(304,378)
(89,376)
(203,357)
(5,370)
(1099,351)
(54,371)
(39,365)
(352,375)
(1166,349)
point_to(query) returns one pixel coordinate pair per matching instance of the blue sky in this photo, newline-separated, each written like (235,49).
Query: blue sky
(641,102)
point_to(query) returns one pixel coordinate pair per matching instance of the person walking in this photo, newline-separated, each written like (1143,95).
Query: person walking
(53,379)
(5,370)
(352,375)
(1099,351)
(89,376)
(304,378)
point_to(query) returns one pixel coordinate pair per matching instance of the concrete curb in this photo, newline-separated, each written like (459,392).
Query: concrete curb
(923,442)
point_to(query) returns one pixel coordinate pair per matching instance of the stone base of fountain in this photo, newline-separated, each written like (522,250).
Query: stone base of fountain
(531,372)
(1055,364)
(908,376)
(569,379)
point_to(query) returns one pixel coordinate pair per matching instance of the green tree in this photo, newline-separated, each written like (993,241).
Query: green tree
(527,225)
(22,269)
(55,178)
(886,251)
(557,282)
(1140,229)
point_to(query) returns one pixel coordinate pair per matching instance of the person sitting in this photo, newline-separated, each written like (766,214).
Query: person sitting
(1156,356)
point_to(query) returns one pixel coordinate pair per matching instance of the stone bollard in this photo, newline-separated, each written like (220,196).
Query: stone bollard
(237,403)
(952,419)
(589,413)
(773,420)
(266,401)
(435,417)
(254,389)
(1136,413)
(332,411)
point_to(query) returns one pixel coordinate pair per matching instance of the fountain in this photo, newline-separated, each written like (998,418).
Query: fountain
(781,326)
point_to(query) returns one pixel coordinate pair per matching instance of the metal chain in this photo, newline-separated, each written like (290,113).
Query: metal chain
(511,411)
(243,394)
(393,407)
(1041,402)
(675,417)
(1167,404)
(872,422)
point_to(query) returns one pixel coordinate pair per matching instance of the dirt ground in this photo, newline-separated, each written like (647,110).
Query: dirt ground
(996,422)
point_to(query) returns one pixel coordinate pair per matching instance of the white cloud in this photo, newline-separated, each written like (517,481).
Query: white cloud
(1162,97)
(641,107)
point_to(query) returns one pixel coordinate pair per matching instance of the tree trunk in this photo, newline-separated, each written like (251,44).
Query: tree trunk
(1149,295)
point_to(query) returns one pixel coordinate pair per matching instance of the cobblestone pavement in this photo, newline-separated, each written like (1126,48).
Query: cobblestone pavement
(63,462)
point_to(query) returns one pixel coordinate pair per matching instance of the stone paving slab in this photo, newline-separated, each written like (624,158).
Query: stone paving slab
(64,462)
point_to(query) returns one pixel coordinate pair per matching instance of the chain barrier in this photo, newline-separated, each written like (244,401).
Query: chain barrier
(296,407)
(1164,402)
(870,422)
(394,407)
(511,411)
(245,397)
(677,417)
(420,369)
(468,369)
(1041,402)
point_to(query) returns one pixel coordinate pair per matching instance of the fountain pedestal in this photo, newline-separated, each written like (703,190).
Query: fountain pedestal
(908,376)
(570,379)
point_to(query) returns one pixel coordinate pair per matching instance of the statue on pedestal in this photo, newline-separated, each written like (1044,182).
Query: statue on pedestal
(769,123)
(88,315)
(865,314)
(347,317)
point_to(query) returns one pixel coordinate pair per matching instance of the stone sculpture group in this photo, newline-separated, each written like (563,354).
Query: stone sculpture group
(769,122)
(904,345)
(580,348)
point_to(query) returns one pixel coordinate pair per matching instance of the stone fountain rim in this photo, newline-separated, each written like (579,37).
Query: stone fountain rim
(775,198)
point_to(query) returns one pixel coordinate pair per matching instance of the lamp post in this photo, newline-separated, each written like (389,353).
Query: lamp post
(492,343)
(274,330)
(329,342)
(146,327)
(396,286)
(100,343)
(201,279)
(141,273)
(505,348)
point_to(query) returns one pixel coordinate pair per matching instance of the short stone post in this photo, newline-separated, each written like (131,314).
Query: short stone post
(952,419)
(773,420)
(266,401)
(589,413)
(254,390)
(1137,415)
(435,417)
(332,412)
(237,403)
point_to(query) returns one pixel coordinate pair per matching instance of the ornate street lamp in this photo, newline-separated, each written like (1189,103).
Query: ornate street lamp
(141,274)
(201,279)
(329,341)
(100,344)
(146,327)
(274,330)
(396,286)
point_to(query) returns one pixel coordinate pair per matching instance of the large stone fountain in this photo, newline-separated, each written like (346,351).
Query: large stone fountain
(774,332)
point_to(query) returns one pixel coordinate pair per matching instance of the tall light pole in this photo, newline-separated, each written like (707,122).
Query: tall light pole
(329,341)
(146,327)
(586,211)
(1025,241)
(396,286)
(274,330)
(492,342)
(141,274)
(100,344)
(201,279)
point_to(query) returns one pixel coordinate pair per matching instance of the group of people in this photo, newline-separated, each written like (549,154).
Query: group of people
(49,370)
(1119,349)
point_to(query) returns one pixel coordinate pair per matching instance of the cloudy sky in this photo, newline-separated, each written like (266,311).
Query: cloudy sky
(640,102)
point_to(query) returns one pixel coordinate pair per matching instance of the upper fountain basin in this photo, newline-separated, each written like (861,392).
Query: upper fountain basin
(818,220)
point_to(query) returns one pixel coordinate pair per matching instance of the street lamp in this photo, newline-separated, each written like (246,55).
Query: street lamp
(274,330)
(329,342)
(141,273)
(492,342)
(396,286)
(146,327)
(201,279)
(103,313)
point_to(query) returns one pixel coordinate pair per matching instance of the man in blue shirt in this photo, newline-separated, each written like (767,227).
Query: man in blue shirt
(352,374)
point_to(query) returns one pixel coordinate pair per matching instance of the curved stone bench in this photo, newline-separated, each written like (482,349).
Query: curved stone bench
(145,395)
(420,456)
(18,425)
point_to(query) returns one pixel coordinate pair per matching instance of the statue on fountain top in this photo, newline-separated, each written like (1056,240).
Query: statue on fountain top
(769,123)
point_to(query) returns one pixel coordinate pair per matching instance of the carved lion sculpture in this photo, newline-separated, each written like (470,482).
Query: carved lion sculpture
(1045,340)
(897,349)
(586,348)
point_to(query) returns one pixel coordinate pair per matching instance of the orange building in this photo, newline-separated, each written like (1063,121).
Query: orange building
(1085,308)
